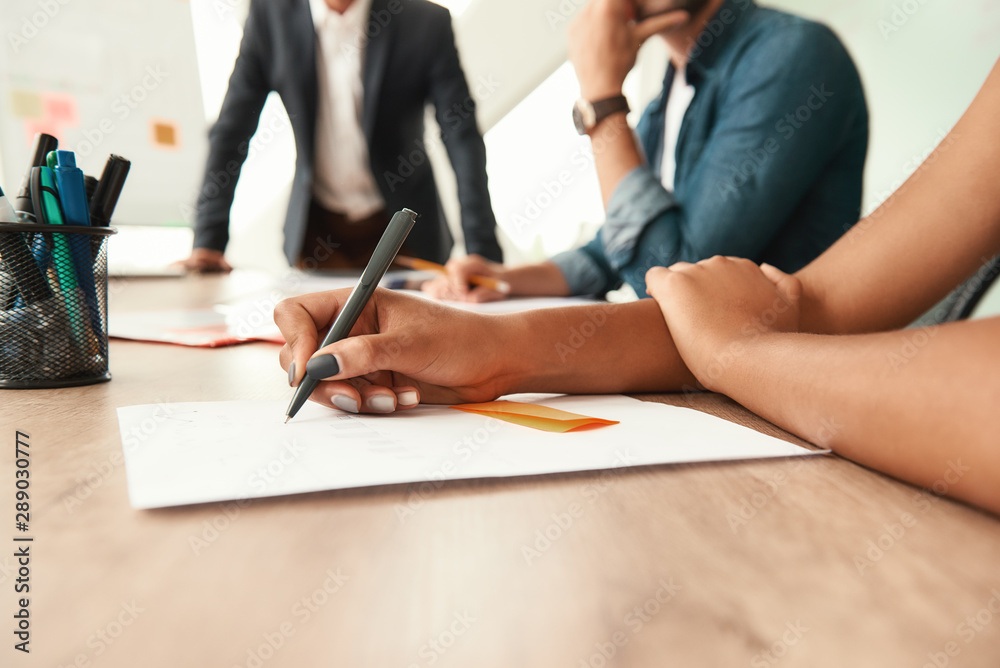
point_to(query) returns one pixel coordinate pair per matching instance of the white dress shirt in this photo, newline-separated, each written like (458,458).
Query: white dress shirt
(680,98)
(342,179)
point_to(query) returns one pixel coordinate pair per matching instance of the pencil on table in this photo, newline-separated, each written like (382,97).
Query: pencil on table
(425,265)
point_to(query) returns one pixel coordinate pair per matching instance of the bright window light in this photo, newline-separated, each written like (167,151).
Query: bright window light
(542,179)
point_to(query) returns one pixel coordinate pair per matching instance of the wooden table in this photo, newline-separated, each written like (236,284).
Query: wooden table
(812,562)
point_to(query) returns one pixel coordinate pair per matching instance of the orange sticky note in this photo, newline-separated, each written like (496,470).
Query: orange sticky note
(535,416)
(164,134)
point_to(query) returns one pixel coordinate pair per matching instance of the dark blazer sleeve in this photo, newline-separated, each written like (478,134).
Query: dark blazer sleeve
(456,114)
(229,139)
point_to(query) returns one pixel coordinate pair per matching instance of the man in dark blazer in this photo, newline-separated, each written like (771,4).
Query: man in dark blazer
(407,60)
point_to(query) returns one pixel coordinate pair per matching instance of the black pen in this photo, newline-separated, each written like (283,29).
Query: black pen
(44,144)
(390,243)
(105,196)
(28,279)
(18,262)
(108,190)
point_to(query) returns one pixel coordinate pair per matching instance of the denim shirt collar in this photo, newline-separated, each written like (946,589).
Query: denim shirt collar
(721,29)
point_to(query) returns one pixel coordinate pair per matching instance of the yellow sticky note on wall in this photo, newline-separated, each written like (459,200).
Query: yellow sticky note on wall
(26,104)
(535,416)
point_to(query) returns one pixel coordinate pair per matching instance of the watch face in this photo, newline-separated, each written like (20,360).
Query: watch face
(578,120)
(584,117)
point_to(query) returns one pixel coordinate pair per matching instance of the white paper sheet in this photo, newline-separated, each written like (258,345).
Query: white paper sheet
(177,454)
(250,317)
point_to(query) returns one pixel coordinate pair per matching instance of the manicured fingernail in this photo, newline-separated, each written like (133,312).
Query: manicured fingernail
(345,403)
(291,374)
(380,403)
(406,398)
(323,366)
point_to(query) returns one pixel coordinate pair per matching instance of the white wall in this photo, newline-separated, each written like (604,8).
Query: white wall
(921,62)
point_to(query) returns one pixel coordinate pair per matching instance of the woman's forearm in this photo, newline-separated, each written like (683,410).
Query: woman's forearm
(593,349)
(918,404)
(938,229)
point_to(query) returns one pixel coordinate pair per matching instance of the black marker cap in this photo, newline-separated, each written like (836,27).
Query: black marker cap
(44,144)
(109,188)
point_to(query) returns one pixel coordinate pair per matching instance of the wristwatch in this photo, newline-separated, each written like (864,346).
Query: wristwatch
(586,115)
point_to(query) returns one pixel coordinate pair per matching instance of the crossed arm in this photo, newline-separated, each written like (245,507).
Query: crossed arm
(913,403)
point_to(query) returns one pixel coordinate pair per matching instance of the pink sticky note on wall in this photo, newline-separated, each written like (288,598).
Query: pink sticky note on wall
(61,109)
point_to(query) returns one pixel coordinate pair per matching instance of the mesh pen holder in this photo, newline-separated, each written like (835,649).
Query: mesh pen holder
(53,305)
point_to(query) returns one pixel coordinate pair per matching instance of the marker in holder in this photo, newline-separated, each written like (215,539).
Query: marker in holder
(53,327)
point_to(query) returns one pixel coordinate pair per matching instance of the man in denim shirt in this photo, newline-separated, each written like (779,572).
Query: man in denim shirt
(765,162)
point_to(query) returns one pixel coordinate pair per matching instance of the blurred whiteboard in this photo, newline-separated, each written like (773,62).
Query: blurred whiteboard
(107,76)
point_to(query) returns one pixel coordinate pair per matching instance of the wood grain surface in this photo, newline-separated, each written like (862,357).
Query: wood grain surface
(802,562)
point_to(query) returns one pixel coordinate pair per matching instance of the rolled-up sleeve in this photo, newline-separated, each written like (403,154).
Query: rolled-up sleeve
(638,199)
(586,270)
(596,268)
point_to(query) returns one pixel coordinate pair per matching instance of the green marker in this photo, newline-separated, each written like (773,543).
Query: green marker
(63,260)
